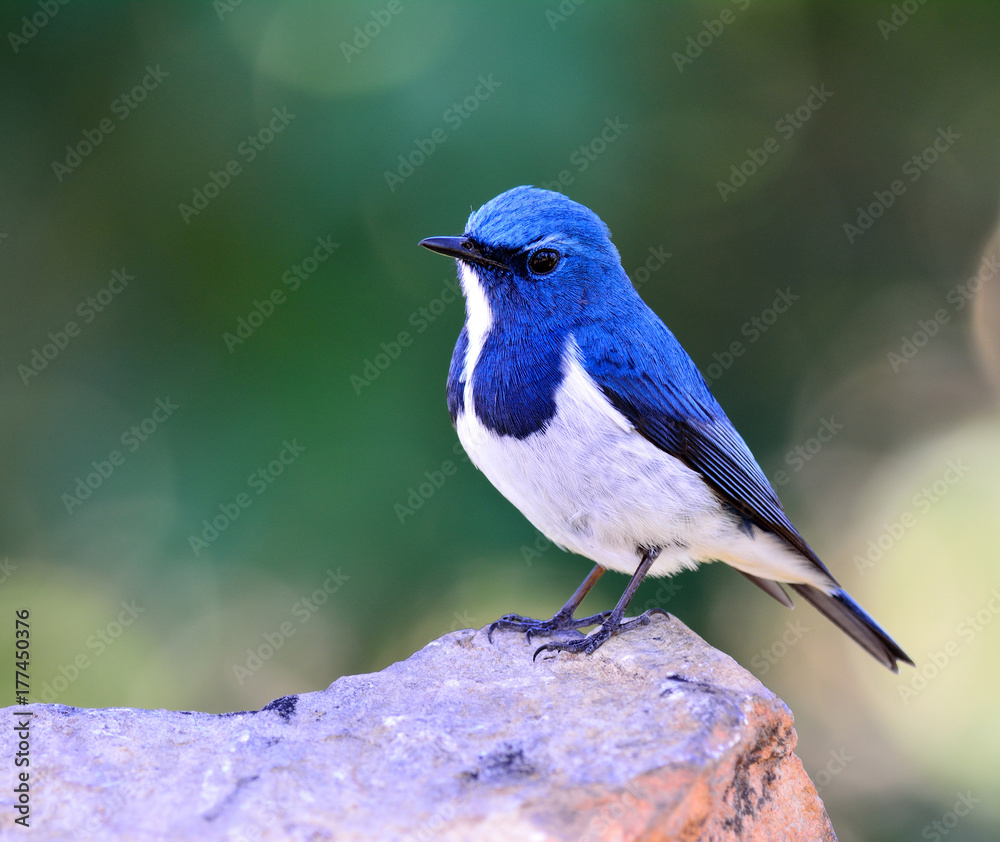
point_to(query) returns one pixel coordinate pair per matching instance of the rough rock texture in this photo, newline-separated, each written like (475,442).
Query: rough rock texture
(656,736)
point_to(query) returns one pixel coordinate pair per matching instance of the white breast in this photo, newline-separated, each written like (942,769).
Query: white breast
(595,486)
(478,320)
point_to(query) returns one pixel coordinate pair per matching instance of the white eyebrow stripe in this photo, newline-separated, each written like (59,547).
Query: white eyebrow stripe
(552,240)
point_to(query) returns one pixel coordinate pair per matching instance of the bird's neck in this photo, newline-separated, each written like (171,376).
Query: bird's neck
(513,363)
(511,378)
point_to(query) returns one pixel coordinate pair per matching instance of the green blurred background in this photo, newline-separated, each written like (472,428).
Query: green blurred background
(369,126)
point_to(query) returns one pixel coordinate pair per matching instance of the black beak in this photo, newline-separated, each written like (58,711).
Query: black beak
(459,248)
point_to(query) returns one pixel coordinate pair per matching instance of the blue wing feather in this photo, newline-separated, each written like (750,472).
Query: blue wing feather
(456,373)
(650,379)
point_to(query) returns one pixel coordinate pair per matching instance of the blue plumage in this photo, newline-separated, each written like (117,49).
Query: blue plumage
(582,407)
(456,376)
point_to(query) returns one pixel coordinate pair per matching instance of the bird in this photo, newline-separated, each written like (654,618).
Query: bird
(581,407)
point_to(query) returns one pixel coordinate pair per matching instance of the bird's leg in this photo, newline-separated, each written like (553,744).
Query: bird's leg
(613,624)
(563,619)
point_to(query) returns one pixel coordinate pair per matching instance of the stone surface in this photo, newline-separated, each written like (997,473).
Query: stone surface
(656,736)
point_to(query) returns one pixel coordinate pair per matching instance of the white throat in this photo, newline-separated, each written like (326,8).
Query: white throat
(479,318)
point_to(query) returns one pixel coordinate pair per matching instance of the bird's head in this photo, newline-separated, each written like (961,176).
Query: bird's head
(535,256)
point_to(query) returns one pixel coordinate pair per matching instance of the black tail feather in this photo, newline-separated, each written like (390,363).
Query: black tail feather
(771,588)
(840,609)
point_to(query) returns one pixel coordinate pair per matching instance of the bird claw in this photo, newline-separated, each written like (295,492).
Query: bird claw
(560,622)
(593,641)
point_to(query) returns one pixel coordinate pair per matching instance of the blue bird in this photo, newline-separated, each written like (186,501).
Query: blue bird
(581,407)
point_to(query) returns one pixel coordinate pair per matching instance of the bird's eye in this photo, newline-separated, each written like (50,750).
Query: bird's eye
(543,261)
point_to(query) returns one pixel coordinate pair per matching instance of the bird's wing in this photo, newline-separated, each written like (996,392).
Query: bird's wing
(650,379)
(456,375)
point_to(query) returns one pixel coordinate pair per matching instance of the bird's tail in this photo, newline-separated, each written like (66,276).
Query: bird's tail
(839,608)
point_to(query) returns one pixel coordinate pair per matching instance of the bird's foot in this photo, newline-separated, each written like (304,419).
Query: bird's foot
(559,623)
(593,641)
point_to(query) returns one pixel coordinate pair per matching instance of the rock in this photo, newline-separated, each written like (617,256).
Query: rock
(656,736)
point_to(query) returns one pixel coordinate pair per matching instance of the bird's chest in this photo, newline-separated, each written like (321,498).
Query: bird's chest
(507,366)
(508,389)
(584,476)
(552,474)
(570,474)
